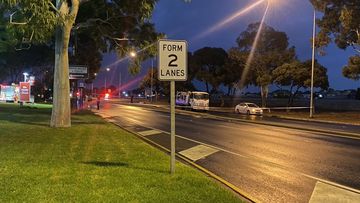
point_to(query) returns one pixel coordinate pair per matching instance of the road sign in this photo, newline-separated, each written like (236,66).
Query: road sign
(78,72)
(172,66)
(172,60)
(24,91)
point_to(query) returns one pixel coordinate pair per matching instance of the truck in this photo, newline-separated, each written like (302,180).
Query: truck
(193,100)
(9,93)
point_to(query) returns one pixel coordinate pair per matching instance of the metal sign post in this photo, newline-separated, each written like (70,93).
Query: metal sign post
(172,65)
(172,134)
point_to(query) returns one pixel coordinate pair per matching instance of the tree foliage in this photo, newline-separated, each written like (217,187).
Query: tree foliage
(352,70)
(15,63)
(233,68)
(208,63)
(272,51)
(340,23)
(112,25)
(297,75)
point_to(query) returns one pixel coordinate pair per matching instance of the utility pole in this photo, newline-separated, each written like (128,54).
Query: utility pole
(312,68)
(119,84)
(151,81)
(105,84)
(92,88)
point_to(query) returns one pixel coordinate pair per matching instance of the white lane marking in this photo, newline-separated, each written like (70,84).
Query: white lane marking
(272,124)
(149,132)
(327,193)
(198,152)
(332,184)
(257,159)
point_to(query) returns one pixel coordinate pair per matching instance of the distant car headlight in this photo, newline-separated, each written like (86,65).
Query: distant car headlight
(253,110)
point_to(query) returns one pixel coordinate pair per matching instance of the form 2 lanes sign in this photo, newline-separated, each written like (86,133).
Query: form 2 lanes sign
(172,60)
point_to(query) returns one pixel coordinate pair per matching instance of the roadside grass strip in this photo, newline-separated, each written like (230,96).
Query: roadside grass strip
(93,161)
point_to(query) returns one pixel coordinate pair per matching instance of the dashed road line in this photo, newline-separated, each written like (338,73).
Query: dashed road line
(198,152)
(343,187)
(327,193)
(149,132)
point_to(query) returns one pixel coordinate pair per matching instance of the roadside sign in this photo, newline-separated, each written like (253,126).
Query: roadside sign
(24,91)
(172,66)
(172,60)
(31,80)
(78,72)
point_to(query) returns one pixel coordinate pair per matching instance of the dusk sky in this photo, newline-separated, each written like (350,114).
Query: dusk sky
(193,21)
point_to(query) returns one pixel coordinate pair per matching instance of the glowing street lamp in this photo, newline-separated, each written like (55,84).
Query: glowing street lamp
(107,70)
(25,76)
(312,67)
(133,54)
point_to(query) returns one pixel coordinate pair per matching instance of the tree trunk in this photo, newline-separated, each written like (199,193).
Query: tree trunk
(233,91)
(290,96)
(294,95)
(61,111)
(264,95)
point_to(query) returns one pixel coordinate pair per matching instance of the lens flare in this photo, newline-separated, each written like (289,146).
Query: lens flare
(253,49)
(229,19)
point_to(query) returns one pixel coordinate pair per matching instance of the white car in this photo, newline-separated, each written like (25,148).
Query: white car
(248,108)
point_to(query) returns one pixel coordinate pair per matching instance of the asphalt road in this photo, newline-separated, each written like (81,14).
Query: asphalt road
(271,164)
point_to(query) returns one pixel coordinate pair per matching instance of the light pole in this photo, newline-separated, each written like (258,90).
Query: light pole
(92,85)
(107,70)
(119,84)
(25,76)
(151,81)
(312,68)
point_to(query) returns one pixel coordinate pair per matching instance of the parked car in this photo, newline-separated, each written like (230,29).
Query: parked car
(248,108)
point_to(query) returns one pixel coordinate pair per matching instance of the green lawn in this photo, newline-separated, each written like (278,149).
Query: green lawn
(342,117)
(91,162)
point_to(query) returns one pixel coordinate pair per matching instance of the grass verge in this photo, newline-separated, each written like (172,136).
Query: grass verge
(352,118)
(93,161)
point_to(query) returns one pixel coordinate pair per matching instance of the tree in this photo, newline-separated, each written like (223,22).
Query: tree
(16,62)
(86,51)
(233,68)
(209,62)
(297,75)
(109,22)
(340,23)
(271,52)
(157,85)
(352,70)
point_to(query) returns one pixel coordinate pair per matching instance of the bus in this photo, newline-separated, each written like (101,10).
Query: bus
(193,100)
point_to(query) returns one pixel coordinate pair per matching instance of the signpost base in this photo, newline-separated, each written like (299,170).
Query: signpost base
(172,110)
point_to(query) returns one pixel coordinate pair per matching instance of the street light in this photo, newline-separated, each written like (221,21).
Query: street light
(107,70)
(133,54)
(313,67)
(92,85)
(25,76)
